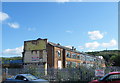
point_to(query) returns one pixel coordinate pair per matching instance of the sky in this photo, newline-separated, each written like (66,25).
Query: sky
(88,26)
(60,0)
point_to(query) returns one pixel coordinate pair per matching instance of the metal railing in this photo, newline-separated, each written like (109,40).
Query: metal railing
(66,74)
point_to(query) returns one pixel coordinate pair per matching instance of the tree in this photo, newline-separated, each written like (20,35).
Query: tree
(115,60)
(111,56)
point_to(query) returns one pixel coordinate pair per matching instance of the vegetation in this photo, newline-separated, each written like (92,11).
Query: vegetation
(11,58)
(11,65)
(112,57)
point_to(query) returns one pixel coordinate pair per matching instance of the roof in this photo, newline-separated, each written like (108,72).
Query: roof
(69,49)
(35,40)
(60,46)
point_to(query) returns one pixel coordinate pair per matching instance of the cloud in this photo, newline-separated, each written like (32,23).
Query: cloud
(95,35)
(92,45)
(3,16)
(15,51)
(68,31)
(109,44)
(14,25)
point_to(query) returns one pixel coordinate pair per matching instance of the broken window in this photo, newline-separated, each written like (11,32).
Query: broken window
(59,53)
(68,55)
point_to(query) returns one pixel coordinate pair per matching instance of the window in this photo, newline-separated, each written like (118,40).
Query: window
(34,42)
(78,56)
(82,57)
(74,56)
(31,77)
(68,55)
(87,58)
(115,76)
(59,53)
(79,64)
(41,54)
(68,64)
(20,78)
(73,64)
(33,52)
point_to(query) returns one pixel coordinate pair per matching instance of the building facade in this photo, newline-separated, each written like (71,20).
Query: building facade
(45,54)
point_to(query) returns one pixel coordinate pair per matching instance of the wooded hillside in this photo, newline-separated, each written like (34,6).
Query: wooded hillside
(112,57)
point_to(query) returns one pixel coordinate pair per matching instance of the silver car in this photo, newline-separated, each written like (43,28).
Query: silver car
(25,78)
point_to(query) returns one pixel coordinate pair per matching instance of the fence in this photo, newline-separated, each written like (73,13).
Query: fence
(81,75)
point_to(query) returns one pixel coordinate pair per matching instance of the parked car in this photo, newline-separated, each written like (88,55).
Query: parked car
(25,78)
(112,77)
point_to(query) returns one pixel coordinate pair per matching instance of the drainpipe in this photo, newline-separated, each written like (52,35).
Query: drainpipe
(53,57)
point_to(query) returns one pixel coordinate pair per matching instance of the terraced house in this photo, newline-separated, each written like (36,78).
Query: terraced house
(42,53)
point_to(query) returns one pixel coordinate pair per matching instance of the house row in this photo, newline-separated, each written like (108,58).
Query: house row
(44,54)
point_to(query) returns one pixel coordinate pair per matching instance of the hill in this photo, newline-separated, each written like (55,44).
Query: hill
(112,57)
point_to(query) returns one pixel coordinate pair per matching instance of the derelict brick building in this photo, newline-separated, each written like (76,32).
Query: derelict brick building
(44,54)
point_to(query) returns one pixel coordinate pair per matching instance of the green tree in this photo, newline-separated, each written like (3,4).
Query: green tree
(111,56)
